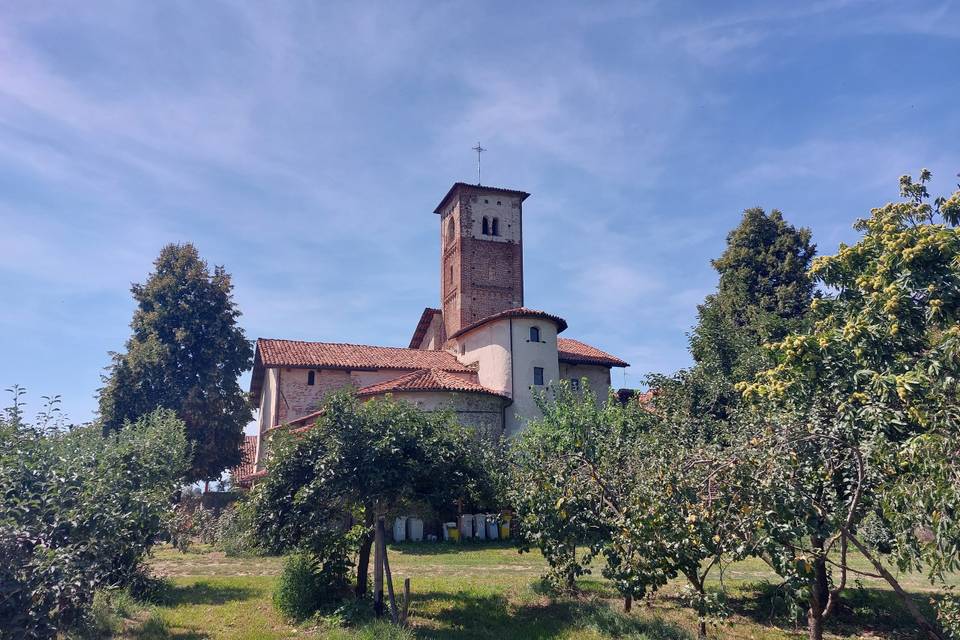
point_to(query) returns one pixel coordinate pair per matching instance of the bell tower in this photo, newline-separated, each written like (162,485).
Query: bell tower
(481,253)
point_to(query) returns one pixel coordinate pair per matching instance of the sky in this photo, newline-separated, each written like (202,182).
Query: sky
(304,146)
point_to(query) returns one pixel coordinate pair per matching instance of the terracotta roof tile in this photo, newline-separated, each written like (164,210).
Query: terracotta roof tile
(426,380)
(333,355)
(519,312)
(248,461)
(576,352)
(294,353)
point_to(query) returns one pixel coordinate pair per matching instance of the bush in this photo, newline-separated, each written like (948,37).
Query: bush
(78,513)
(235,531)
(875,533)
(299,589)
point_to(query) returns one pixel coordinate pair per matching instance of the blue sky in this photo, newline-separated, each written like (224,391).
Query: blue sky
(304,145)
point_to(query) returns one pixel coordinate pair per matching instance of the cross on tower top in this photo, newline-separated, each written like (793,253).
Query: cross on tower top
(479,150)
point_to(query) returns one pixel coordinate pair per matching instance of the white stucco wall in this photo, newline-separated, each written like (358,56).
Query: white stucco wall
(511,372)
(488,348)
(597,377)
(526,356)
(268,393)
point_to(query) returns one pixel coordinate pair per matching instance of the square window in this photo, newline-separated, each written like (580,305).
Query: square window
(538,376)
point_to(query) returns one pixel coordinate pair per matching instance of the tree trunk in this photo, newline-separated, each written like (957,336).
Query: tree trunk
(702,630)
(819,593)
(378,569)
(628,603)
(363,559)
(924,624)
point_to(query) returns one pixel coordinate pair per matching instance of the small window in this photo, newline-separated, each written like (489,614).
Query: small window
(534,334)
(486,226)
(496,227)
(498,203)
(575,384)
(538,376)
(311,378)
(450,275)
(450,230)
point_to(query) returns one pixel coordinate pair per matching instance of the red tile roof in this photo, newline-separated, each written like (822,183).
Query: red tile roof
(248,461)
(425,319)
(426,380)
(519,312)
(576,352)
(523,195)
(332,355)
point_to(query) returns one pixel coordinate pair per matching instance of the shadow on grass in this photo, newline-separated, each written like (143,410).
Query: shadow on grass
(466,615)
(446,548)
(860,610)
(154,628)
(201,592)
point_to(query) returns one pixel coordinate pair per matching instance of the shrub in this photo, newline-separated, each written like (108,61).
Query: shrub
(299,590)
(78,513)
(235,531)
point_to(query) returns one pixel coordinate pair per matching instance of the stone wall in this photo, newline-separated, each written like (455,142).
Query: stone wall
(481,411)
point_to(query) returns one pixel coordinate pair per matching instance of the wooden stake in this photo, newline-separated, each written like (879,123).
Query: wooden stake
(628,603)
(406,601)
(378,568)
(386,566)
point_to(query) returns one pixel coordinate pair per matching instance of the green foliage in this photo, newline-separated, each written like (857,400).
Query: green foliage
(303,586)
(948,613)
(235,531)
(364,459)
(860,412)
(764,293)
(79,511)
(626,484)
(185,354)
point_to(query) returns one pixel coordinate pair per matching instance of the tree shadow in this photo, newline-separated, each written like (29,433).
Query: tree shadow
(447,548)
(466,615)
(861,610)
(156,629)
(201,592)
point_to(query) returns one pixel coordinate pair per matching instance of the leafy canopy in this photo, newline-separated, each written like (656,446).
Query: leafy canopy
(763,294)
(186,354)
(860,412)
(366,459)
(79,511)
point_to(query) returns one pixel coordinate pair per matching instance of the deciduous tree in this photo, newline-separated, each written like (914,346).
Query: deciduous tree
(861,412)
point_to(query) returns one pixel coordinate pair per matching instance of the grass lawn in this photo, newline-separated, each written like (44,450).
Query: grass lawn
(490,592)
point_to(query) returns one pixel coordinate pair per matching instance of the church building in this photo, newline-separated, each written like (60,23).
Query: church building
(482,353)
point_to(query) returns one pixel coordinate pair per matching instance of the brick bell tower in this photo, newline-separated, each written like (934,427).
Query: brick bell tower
(481,253)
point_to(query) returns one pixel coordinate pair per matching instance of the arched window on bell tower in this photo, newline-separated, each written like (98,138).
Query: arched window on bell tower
(486,226)
(450,231)
(496,227)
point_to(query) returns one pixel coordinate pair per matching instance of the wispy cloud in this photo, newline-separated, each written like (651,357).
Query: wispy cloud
(305,145)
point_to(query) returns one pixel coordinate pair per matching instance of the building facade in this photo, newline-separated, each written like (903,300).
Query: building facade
(482,354)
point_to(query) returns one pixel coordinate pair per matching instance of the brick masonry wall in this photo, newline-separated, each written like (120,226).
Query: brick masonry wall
(479,277)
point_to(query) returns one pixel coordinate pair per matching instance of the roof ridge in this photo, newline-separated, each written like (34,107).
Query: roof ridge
(349,344)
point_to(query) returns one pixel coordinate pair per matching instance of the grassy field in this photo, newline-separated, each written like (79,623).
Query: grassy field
(488,592)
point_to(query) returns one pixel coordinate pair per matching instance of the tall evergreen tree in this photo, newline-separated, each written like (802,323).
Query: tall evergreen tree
(763,294)
(185,354)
